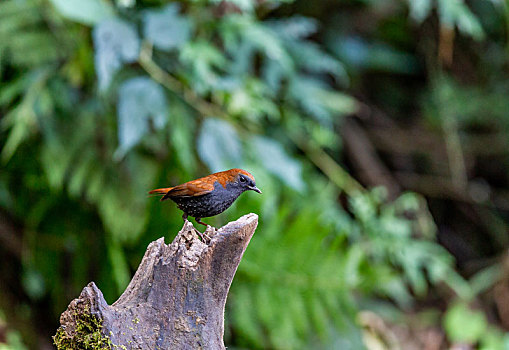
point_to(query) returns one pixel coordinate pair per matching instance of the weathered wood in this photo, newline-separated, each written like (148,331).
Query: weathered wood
(175,300)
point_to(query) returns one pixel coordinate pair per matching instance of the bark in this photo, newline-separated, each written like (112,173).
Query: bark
(175,300)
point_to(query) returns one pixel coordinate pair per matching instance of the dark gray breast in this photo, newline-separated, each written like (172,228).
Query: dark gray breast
(209,204)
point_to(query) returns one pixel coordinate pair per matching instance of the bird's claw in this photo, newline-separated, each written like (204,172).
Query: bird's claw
(204,237)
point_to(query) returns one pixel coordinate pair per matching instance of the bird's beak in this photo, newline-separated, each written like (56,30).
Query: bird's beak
(256,189)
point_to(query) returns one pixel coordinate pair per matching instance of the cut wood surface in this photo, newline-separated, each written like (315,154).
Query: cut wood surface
(175,300)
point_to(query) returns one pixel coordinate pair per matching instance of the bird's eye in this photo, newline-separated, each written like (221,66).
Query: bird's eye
(242,179)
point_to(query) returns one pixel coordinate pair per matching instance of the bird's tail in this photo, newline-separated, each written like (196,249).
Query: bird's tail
(161,191)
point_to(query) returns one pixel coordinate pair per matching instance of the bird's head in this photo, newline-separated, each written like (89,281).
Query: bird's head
(243,180)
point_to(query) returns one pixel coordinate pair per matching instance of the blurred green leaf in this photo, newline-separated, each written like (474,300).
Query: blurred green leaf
(13,341)
(276,160)
(243,5)
(464,325)
(87,12)
(358,53)
(296,27)
(22,119)
(219,145)
(204,61)
(33,283)
(420,9)
(494,339)
(182,138)
(456,13)
(485,278)
(165,28)
(24,38)
(140,101)
(452,13)
(116,42)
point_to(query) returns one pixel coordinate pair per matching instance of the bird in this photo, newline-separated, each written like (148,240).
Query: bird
(209,195)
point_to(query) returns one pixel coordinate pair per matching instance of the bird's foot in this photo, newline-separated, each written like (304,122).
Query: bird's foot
(204,237)
(210,231)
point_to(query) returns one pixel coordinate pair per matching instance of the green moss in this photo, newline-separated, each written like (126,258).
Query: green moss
(88,335)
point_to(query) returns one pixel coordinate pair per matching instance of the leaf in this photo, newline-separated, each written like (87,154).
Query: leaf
(272,155)
(55,160)
(115,42)
(86,12)
(33,283)
(25,35)
(464,325)
(456,12)
(245,320)
(296,27)
(243,30)
(310,57)
(354,258)
(243,5)
(451,13)
(165,28)
(182,137)
(273,73)
(141,100)
(486,278)
(204,60)
(420,9)
(251,101)
(362,54)
(218,145)
(22,119)
(121,207)
(315,98)
(20,16)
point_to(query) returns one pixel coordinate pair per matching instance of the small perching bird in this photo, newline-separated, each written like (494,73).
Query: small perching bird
(209,195)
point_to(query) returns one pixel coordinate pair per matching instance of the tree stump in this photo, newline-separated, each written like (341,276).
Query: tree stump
(175,300)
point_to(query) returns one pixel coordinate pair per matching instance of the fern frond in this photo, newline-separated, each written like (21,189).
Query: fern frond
(26,40)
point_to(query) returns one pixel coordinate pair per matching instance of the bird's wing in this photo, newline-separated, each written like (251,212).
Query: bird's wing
(191,189)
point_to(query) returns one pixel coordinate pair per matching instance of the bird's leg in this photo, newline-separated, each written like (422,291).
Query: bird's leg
(209,227)
(198,220)
(184,216)
(202,235)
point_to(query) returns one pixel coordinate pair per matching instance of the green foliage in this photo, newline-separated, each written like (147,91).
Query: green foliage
(468,326)
(316,301)
(22,28)
(452,13)
(13,342)
(100,112)
(272,155)
(165,28)
(464,325)
(116,42)
(140,102)
(13,339)
(394,243)
(469,106)
(219,145)
(87,12)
